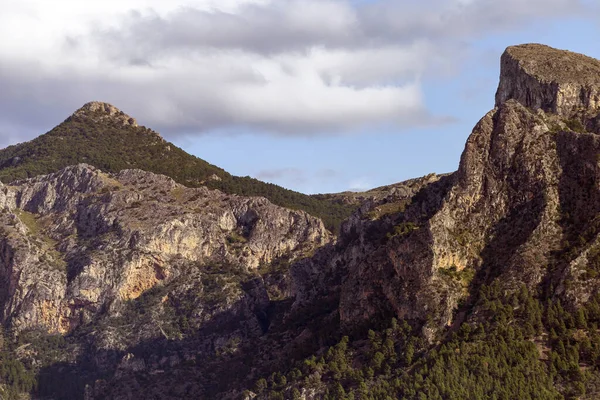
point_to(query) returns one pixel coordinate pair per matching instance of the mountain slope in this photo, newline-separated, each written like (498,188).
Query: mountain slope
(489,276)
(481,284)
(100,135)
(93,264)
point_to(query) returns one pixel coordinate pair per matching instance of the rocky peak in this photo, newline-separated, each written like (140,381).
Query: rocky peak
(501,215)
(557,81)
(98,111)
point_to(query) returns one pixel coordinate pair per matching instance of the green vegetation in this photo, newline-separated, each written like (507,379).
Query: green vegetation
(48,347)
(592,267)
(402,229)
(113,147)
(464,276)
(575,125)
(517,347)
(29,220)
(16,378)
(388,209)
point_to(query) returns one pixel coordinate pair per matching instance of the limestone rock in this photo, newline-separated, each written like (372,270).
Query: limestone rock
(99,111)
(556,81)
(499,217)
(78,243)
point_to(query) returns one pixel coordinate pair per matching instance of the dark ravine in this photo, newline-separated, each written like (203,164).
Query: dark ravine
(478,284)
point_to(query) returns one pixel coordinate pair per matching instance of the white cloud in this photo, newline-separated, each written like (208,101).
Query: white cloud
(279,66)
(360,184)
(302,178)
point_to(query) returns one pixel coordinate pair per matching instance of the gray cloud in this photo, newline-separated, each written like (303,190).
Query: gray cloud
(287,67)
(290,174)
(296,176)
(282,26)
(296,25)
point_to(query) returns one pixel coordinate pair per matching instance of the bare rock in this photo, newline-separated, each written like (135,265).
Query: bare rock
(80,243)
(556,81)
(99,111)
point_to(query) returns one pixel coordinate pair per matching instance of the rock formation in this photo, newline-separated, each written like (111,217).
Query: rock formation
(176,292)
(80,242)
(501,215)
(100,112)
(556,81)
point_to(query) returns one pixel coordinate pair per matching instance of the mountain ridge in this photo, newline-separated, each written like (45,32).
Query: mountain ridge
(483,283)
(102,135)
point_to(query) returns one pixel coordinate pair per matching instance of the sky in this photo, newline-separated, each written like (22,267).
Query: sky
(314,95)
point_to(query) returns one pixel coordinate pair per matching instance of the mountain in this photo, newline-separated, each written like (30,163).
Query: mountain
(96,263)
(480,284)
(489,276)
(101,135)
(386,194)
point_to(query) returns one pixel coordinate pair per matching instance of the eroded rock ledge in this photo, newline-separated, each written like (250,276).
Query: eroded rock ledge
(556,81)
(99,111)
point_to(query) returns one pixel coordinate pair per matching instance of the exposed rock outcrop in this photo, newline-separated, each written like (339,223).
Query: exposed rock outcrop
(557,81)
(79,242)
(501,215)
(99,112)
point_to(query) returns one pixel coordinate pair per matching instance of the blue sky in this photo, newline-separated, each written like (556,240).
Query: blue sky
(318,97)
(377,158)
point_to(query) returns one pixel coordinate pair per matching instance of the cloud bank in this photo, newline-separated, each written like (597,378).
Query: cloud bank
(284,67)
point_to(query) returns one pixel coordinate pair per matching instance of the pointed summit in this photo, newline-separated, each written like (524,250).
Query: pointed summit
(101,135)
(100,111)
(557,81)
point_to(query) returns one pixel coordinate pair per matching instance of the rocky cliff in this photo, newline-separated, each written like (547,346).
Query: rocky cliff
(478,284)
(520,217)
(80,242)
(500,216)
(556,81)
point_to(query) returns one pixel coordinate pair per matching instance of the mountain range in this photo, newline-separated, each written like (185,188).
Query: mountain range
(132,270)
(103,136)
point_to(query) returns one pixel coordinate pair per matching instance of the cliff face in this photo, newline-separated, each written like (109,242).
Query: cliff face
(417,257)
(80,242)
(556,81)
(526,187)
(206,292)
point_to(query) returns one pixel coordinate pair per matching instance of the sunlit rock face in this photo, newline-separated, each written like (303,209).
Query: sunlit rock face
(556,81)
(80,242)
